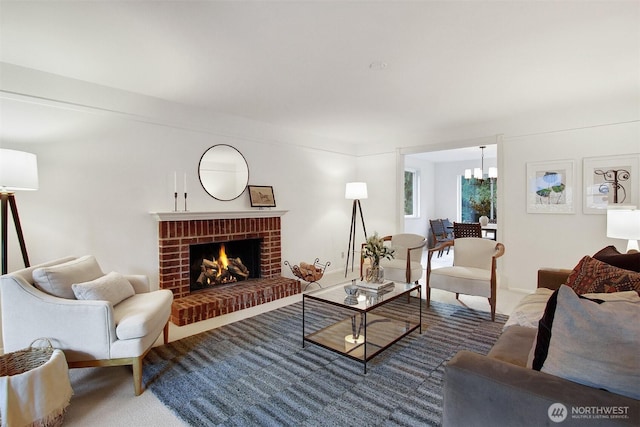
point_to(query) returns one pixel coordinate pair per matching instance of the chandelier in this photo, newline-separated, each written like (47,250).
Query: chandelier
(478,173)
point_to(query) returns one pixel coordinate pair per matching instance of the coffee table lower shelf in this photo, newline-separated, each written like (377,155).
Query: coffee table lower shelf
(378,333)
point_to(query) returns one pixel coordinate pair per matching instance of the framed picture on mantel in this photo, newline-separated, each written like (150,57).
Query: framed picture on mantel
(261,196)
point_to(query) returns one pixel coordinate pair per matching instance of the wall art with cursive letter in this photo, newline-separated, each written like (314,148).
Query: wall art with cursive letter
(611,180)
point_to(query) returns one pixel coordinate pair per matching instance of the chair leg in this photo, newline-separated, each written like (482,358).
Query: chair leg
(409,294)
(428,296)
(137,375)
(165,333)
(492,303)
(457,295)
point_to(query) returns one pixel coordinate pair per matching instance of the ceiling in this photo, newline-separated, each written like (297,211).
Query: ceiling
(351,71)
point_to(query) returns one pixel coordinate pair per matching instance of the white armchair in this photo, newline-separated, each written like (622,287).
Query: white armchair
(407,257)
(473,271)
(114,325)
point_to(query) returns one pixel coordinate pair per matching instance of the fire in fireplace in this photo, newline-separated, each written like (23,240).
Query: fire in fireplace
(214,264)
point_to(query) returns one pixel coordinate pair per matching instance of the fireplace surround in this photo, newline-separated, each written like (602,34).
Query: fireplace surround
(178,230)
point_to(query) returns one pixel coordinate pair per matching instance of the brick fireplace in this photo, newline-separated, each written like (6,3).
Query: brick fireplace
(178,230)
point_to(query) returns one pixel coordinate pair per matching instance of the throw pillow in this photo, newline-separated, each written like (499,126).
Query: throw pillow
(591,275)
(541,345)
(610,255)
(545,319)
(56,280)
(112,287)
(591,342)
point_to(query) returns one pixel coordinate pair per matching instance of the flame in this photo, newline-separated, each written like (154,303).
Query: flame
(223,261)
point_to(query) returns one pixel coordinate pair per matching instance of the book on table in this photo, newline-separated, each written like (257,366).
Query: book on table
(375,287)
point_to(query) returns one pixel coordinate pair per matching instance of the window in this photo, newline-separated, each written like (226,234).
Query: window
(478,198)
(411,193)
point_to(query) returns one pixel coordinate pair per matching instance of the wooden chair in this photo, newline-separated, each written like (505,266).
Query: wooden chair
(448,227)
(466,229)
(440,234)
(473,271)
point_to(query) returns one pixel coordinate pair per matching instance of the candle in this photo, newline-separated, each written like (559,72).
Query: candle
(185,182)
(175,182)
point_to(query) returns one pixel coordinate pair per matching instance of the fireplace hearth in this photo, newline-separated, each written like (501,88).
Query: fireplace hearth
(178,232)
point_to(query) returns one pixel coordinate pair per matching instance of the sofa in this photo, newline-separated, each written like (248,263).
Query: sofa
(96,319)
(502,389)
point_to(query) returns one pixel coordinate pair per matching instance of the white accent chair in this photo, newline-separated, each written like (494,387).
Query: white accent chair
(473,271)
(406,265)
(91,332)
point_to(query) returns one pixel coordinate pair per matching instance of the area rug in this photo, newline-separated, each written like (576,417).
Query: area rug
(256,371)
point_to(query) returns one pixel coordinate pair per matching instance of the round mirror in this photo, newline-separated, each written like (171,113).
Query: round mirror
(223,172)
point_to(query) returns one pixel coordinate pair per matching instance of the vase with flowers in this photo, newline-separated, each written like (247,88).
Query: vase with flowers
(375,250)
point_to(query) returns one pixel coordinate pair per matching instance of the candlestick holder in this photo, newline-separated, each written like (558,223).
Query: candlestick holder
(175,201)
(185,201)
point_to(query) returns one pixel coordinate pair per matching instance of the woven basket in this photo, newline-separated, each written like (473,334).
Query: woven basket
(21,361)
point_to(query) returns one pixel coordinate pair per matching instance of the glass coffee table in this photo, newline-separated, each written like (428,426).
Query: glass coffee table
(364,324)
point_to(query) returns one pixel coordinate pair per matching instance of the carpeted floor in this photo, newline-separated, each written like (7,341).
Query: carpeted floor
(256,372)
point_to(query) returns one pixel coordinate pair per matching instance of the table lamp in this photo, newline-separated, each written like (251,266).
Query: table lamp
(624,223)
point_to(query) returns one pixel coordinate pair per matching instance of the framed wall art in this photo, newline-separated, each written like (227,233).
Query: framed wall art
(550,187)
(611,180)
(261,196)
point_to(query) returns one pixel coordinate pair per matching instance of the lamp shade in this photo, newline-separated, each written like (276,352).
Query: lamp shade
(477,173)
(18,170)
(624,224)
(356,191)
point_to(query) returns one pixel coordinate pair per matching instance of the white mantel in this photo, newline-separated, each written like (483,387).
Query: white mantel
(187,215)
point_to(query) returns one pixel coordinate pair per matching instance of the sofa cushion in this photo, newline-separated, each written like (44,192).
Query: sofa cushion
(591,342)
(513,345)
(56,280)
(529,309)
(591,275)
(112,287)
(140,314)
(611,256)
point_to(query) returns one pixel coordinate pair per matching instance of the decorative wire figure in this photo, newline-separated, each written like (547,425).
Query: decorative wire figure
(613,177)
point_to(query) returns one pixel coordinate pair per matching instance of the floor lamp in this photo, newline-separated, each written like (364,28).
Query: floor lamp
(355,191)
(18,171)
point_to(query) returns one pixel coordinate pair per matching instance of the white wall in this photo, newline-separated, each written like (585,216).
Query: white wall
(380,211)
(106,160)
(555,240)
